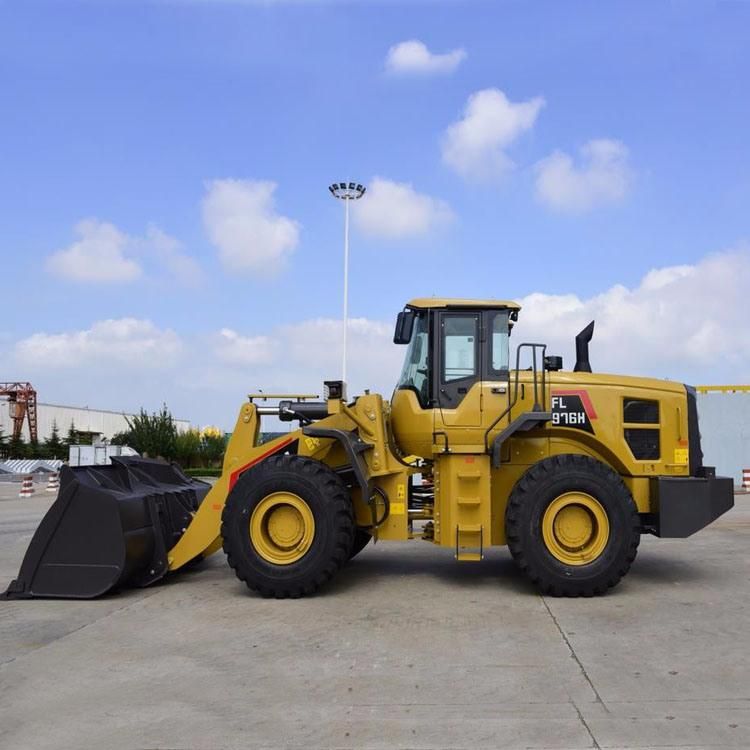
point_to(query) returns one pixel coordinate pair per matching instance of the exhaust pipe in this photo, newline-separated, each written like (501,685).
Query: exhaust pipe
(582,349)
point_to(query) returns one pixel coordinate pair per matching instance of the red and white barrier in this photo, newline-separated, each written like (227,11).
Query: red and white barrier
(53,482)
(746,479)
(27,487)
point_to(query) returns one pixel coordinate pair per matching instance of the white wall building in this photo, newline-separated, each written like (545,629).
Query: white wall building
(724,421)
(100,423)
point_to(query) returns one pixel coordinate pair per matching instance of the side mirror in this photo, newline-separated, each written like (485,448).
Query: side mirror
(404,327)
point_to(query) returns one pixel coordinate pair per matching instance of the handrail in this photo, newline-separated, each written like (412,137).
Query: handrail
(538,407)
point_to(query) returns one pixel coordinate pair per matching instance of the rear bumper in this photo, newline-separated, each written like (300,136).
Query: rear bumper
(685,505)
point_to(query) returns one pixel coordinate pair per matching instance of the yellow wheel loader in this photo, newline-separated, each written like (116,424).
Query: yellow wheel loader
(566,468)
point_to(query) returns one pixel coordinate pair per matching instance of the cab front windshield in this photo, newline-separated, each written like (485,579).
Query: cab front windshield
(414,375)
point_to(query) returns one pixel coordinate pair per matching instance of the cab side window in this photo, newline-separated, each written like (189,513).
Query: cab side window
(460,358)
(500,343)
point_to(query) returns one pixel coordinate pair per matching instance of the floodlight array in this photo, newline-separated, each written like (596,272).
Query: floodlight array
(347,191)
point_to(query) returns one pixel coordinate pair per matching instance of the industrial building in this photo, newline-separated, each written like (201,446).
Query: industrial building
(724,417)
(94,423)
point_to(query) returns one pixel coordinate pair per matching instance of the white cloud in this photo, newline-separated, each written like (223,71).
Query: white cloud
(170,253)
(97,256)
(392,210)
(105,254)
(414,57)
(683,322)
(234,349)
(319,341)
(293,357)
(314,349)
(475,145)
(242,222)
(603,177)
(124,343)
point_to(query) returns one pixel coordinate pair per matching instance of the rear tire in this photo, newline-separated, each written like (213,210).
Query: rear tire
(572,526)
(313,513)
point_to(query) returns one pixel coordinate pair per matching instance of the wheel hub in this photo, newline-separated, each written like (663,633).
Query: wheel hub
(281,528)
(575,528)
(285,526)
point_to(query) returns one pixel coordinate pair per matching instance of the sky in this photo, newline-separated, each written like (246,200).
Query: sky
(167,235)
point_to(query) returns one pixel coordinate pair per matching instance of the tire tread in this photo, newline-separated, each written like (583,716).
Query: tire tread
(327,482)
(524,492)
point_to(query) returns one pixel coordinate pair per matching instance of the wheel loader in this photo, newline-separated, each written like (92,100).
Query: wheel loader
(566,468)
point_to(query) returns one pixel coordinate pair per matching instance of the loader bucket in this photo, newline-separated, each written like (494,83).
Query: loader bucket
(110,527)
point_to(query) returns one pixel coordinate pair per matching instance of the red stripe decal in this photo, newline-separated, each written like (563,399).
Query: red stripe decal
(235,475)
(585,399)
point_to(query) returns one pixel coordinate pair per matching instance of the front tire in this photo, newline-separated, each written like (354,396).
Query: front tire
(572,526)
(361,539)
(287,526)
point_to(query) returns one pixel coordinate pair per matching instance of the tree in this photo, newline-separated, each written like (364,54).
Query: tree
(72,436)
(53,446)
(188,447)
(125,437)
(153,434)
(34,449)
(213,445)
(17,448)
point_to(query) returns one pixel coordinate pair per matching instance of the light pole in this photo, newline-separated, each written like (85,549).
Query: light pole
(346,191)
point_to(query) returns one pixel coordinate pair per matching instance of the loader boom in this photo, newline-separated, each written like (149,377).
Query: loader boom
(202,537)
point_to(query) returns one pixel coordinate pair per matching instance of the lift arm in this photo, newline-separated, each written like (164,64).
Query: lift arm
(203,535)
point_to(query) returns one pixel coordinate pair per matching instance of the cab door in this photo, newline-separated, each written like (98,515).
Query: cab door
(457,371)
(496,372)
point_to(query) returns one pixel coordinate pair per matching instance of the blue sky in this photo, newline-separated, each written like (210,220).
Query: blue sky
(198,138)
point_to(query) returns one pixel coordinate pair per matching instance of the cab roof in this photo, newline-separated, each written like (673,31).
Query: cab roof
(494,304)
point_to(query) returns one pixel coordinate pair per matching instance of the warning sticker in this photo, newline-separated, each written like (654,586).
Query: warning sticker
(681,456)
(398,509)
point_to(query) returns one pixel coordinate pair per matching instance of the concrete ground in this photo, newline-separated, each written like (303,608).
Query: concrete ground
(406,649)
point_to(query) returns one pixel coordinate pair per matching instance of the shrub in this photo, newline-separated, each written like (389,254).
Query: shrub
(213,445)
(188,447)
(204,472)
(153,434)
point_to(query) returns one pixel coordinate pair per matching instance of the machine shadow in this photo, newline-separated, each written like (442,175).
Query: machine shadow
(657,567)
(496,571)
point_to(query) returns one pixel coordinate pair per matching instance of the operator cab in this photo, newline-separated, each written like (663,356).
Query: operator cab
(456,366)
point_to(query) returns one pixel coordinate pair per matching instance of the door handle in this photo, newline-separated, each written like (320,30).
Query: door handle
(500,389)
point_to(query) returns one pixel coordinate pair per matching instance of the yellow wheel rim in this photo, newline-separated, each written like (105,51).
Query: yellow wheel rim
(575,528)
(282,528)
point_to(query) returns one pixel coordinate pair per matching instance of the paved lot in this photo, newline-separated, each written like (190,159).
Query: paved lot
(407,649)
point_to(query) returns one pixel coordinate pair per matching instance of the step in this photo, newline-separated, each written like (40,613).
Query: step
(469,475)
(472,500)
(469,556)
(470,530)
